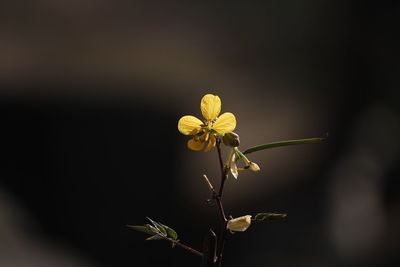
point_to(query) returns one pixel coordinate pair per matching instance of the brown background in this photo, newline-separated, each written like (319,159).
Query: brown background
(91,92)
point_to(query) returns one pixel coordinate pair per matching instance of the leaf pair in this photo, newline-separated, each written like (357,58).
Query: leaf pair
(157,231)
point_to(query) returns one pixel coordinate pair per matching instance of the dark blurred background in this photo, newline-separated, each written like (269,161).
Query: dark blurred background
(90,95)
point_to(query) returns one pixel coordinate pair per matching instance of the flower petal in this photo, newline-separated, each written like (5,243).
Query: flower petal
(204,137)
(195,144)
(210,106)
(225,123)
(211,143)
(189,125)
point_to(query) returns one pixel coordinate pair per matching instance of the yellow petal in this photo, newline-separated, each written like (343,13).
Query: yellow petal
(211,143)
(204,137)
(225,123)
(210,106)
(189,125)
(195,144)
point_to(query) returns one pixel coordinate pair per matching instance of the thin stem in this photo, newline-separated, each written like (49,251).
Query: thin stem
(210,186)
(224,175)
(220,208)
(218,144)
(224,170)
(218,198)
(198,253)
(179,244)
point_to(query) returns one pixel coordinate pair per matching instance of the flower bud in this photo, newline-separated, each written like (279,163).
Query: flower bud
(239,224)
(231,139)
(234,170)
(254,167)
(232,164)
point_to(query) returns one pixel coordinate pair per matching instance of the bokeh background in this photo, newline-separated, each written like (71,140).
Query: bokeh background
(90,95)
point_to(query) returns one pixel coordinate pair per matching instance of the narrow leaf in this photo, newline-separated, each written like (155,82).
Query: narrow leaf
(158,226)
(283,143)
(153,222)
(154,237)
(170,232)
(143,229)
(161,228)
(152,229)
(269,216)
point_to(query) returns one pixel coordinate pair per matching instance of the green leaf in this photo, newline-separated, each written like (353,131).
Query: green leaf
(161,227)
(283,143)
(154,237)
(157,229)
(153,222)
(171,232)
(143,229)
(158,226)
(152,229)
(269,216)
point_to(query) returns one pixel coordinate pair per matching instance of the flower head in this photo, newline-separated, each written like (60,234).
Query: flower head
(210,128)
(239,224)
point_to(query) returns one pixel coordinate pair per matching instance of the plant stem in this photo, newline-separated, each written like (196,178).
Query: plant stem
(179,244)
(198,253)
(220,208)
(224,170)
(218,199)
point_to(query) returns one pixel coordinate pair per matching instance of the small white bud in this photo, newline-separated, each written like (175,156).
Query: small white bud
(234,170)
(233,166)
(254,167)
(239,224)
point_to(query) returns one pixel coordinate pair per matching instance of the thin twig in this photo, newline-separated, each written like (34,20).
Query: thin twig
(210,186)
(220,208)
(224,170)
(218,198)
(209,249)
(179,244)
(198,253)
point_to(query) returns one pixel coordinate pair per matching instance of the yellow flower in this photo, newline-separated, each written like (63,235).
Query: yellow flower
(209,129)
(239,224)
